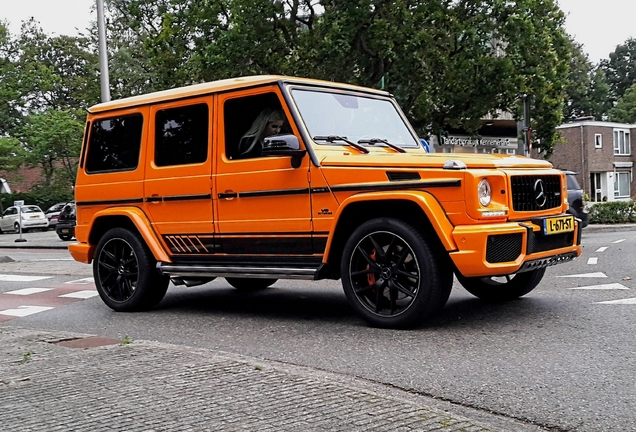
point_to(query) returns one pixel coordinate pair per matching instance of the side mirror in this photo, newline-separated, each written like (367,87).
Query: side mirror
(284,145)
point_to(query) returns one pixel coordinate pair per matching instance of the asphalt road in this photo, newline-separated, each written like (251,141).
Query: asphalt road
(562,357)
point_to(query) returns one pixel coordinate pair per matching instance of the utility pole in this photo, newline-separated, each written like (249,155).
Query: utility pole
(103,54)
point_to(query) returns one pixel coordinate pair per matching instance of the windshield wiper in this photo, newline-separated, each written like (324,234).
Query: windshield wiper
(373,141)
(332,138)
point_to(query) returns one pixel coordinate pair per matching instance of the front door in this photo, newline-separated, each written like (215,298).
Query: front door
(262,202)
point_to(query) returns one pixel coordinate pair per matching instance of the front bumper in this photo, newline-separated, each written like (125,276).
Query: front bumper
(511,247)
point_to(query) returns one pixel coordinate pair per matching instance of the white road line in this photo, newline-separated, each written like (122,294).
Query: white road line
(52,259)
(84,281)
(601,249)
(28,291)
(22,278)
(624,301)
(586,275)
(81,294)
(619,241)
(23,311)
(612,286)
(592,260)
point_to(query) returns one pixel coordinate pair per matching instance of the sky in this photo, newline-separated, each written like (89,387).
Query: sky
(600,25)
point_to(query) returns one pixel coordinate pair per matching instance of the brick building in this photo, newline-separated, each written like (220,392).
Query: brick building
(602,153)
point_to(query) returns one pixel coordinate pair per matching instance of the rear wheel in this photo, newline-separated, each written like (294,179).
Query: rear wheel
(65,237)
(125,272)
(247,284)
(391,276)
(504,288)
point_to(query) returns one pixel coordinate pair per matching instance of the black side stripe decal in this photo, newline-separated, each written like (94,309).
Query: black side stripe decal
(187,197)
(346,188)
(111,202)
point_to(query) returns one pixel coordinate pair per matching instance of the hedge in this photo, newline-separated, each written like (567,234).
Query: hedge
(43,198)
(613,212)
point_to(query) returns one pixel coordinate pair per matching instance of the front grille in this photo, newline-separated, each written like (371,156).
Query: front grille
(525,188)
(540,243)
(503,247)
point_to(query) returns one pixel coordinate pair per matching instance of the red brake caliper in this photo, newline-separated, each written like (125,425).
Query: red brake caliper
(371,276)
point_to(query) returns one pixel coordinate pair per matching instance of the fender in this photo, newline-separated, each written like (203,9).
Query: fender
(139,219)
(425,200)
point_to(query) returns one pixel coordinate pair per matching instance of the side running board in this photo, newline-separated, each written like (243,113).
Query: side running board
(209,271)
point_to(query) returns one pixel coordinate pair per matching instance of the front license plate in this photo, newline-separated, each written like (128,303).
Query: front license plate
(558,225)
(65,231)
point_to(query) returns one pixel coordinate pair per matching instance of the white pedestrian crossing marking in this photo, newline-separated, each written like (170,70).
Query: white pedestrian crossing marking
(612,286)
(628,301)
(592,260)
(601,249)
(22,278)
(84,281)
(586,275)
(28,291)
(23,311)
(619,241)
(81,294)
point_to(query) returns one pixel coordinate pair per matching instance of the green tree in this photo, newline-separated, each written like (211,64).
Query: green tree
(587,89)
(449,63)
(620,68)
(625,109)
(51,140)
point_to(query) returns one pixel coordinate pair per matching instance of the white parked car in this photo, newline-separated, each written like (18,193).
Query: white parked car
(32,218)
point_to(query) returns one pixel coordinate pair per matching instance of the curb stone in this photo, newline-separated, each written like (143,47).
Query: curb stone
(151,386)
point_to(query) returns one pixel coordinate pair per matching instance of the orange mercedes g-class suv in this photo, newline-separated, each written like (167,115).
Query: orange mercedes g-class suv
(262,178)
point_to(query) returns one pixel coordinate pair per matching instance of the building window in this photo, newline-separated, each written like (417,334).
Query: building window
(621,142)
(598,141)
(621,184)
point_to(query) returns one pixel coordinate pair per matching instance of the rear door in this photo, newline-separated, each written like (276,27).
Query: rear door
(177,185)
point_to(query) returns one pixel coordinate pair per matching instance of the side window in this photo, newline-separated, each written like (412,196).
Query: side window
(181,135)
(250,119)
(114,144)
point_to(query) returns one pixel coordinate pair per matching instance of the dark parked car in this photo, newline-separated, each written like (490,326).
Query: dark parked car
(53,213)
(575,198)
(65,227)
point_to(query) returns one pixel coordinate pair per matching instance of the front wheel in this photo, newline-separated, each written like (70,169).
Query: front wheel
(125,272)
(504,288)
(391,275)
(248,284)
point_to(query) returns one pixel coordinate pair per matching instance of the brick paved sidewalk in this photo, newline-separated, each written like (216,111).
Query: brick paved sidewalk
(148,386)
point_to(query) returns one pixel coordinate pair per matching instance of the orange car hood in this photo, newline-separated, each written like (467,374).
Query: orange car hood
(428,160)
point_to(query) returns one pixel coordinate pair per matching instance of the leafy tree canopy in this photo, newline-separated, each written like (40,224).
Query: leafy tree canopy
(449,63)
(620,68)
(625,109)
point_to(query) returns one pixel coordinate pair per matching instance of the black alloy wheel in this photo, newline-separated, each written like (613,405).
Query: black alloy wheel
(125,272)
(391,276)
(503,288)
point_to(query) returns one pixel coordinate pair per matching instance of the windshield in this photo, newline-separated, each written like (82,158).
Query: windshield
(31,209)
(352,117)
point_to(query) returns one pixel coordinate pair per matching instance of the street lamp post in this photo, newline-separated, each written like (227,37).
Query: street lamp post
(103,55)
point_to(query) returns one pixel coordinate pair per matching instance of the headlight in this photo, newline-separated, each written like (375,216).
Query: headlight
(484,192)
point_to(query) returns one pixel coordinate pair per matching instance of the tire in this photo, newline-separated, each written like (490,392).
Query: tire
(65,237)
(16,228)
(125,272)
(392,276)
(502,289)
(249,284)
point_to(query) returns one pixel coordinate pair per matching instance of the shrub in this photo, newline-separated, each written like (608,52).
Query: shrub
(44,197)
(613,212)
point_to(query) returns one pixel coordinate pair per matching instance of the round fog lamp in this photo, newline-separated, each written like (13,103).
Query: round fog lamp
(484,192)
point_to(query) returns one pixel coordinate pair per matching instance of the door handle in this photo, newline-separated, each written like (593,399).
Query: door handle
(228,195)
(154,198)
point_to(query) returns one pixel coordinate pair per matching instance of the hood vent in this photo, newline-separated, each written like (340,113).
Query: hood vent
(402,176)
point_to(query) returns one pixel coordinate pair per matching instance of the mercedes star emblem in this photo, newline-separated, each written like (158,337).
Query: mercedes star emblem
(539,193)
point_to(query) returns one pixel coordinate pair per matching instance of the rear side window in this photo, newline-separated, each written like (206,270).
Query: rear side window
(114,144)
(572,183)
(181,135)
